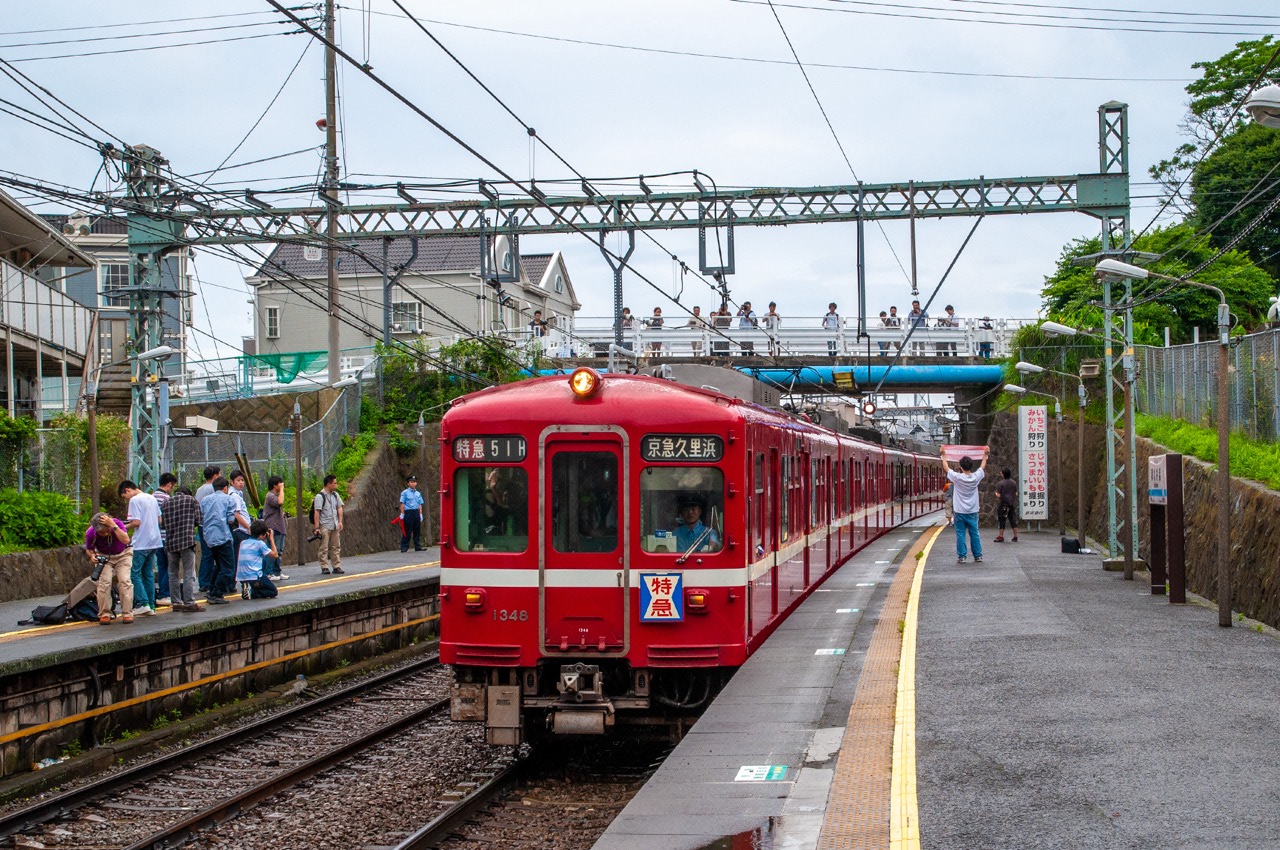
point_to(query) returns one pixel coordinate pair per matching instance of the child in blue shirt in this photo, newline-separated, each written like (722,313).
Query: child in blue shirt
(253,582)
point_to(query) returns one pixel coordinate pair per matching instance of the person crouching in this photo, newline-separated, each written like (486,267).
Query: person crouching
(253,583)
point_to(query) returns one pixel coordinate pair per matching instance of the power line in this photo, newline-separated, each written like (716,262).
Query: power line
(917,15)
(154,47)
(762,61)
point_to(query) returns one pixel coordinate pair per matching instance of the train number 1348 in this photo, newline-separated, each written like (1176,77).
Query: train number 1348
(511,615)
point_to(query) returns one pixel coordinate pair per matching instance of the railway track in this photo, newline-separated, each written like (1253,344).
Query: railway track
(161,802)
(554,799)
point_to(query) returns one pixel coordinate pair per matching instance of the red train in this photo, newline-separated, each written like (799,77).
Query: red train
(613,547)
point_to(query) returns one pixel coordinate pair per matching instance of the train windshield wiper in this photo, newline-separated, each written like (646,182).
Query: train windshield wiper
(696,544)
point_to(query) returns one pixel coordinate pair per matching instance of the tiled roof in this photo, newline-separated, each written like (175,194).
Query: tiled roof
(436,255)
(105,225)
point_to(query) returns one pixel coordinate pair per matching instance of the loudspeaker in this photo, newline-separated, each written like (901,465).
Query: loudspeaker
(1070,546)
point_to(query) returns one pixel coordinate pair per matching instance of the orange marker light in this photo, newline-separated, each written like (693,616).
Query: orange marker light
(473,599)
(584,382)
(696,601)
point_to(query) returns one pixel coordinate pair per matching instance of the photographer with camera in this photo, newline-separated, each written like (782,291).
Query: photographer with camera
(106,545)
(326,511)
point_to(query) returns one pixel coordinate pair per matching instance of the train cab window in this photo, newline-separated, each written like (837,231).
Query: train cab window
(681,509)
(584,500)
(491,509)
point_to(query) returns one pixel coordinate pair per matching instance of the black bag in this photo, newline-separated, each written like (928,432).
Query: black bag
(1070,546)
(49,615)
(311,515)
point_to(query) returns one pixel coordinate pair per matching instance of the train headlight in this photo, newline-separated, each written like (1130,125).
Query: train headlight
(695,601)
(474,599)
(584,382)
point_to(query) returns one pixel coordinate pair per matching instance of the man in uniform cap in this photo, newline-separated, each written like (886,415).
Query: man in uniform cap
(691,534)
(411,515)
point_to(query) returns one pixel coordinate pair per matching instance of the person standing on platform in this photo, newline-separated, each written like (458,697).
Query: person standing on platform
(273,514)
(1007,509)
(948,320)
(144,522)
(217,517)
(772,321)
(919,320)
(328,510)
(411,515)
(206,552)
(168,482)
(831,322)
(964,485)
(179,513)
(107,536)
(240,529)
(893,320)
(697,323)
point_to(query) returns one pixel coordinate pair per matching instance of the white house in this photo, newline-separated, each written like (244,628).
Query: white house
(439,295)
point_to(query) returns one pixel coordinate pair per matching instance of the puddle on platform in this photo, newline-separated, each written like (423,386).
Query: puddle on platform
(760,838)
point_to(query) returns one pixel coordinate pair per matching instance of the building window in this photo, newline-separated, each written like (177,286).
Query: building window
(559,283)
(406,317)
(112,278)
(273,323)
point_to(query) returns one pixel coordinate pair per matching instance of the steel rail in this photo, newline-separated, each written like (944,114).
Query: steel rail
(179,833)
(61,804)
(434,833)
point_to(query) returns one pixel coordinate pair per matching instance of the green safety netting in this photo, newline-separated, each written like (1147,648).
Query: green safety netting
(288,366)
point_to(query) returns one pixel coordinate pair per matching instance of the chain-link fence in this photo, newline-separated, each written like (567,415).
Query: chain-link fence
(272,452)
(1181,382)
(57,459)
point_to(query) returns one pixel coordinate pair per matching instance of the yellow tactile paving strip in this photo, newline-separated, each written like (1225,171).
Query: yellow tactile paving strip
(872,800)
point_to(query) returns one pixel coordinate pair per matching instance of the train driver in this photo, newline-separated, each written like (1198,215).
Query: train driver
(691,534)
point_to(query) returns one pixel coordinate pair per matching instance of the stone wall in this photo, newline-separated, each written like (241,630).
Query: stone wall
(260,413)
(46,572)
(1255,511)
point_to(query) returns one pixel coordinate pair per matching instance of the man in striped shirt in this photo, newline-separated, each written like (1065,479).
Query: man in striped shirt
(180,513)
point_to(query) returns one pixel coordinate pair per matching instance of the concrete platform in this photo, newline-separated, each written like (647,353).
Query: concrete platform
(759,763)
(362,572)
(1056,705)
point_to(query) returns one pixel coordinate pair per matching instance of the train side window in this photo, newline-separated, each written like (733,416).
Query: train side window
(668,495)
(584,502)
(758,506)
(785,499)
(491,509)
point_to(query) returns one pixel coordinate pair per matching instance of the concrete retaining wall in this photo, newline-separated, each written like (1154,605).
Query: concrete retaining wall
(42,690)
(1255,512)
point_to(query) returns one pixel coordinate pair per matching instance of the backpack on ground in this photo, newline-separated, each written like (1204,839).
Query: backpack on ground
(48,615)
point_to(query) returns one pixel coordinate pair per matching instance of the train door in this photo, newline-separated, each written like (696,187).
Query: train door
(583,581)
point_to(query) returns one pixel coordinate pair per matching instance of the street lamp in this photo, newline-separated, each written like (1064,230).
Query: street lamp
(1264,106)
(345,382)
(1120,269)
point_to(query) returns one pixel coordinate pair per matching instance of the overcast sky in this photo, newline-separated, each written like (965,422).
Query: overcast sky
(927,90)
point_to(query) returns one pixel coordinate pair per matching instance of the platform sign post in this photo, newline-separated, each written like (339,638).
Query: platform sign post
(1033,455)
(1168,553)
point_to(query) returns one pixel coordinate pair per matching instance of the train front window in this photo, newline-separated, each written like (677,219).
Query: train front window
(682,509)
(584,501)
(491,509)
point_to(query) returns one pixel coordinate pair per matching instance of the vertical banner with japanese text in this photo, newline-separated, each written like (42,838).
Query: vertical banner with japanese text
(1033,450)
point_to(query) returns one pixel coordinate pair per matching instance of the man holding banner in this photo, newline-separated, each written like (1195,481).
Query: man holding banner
(964,485)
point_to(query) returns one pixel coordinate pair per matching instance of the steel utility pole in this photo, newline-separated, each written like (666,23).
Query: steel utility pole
(330,190)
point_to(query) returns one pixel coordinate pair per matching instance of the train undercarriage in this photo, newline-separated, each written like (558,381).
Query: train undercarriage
(582,697)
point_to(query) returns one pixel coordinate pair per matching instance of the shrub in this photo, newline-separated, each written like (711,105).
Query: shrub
(38,520)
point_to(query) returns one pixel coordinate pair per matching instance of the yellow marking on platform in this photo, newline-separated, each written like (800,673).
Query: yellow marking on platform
(64,627)
(859,803)
(904,812)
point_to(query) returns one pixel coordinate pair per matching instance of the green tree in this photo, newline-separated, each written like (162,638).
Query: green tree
(1233,190)
(1212,110)
(427,380)
(1072,296)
